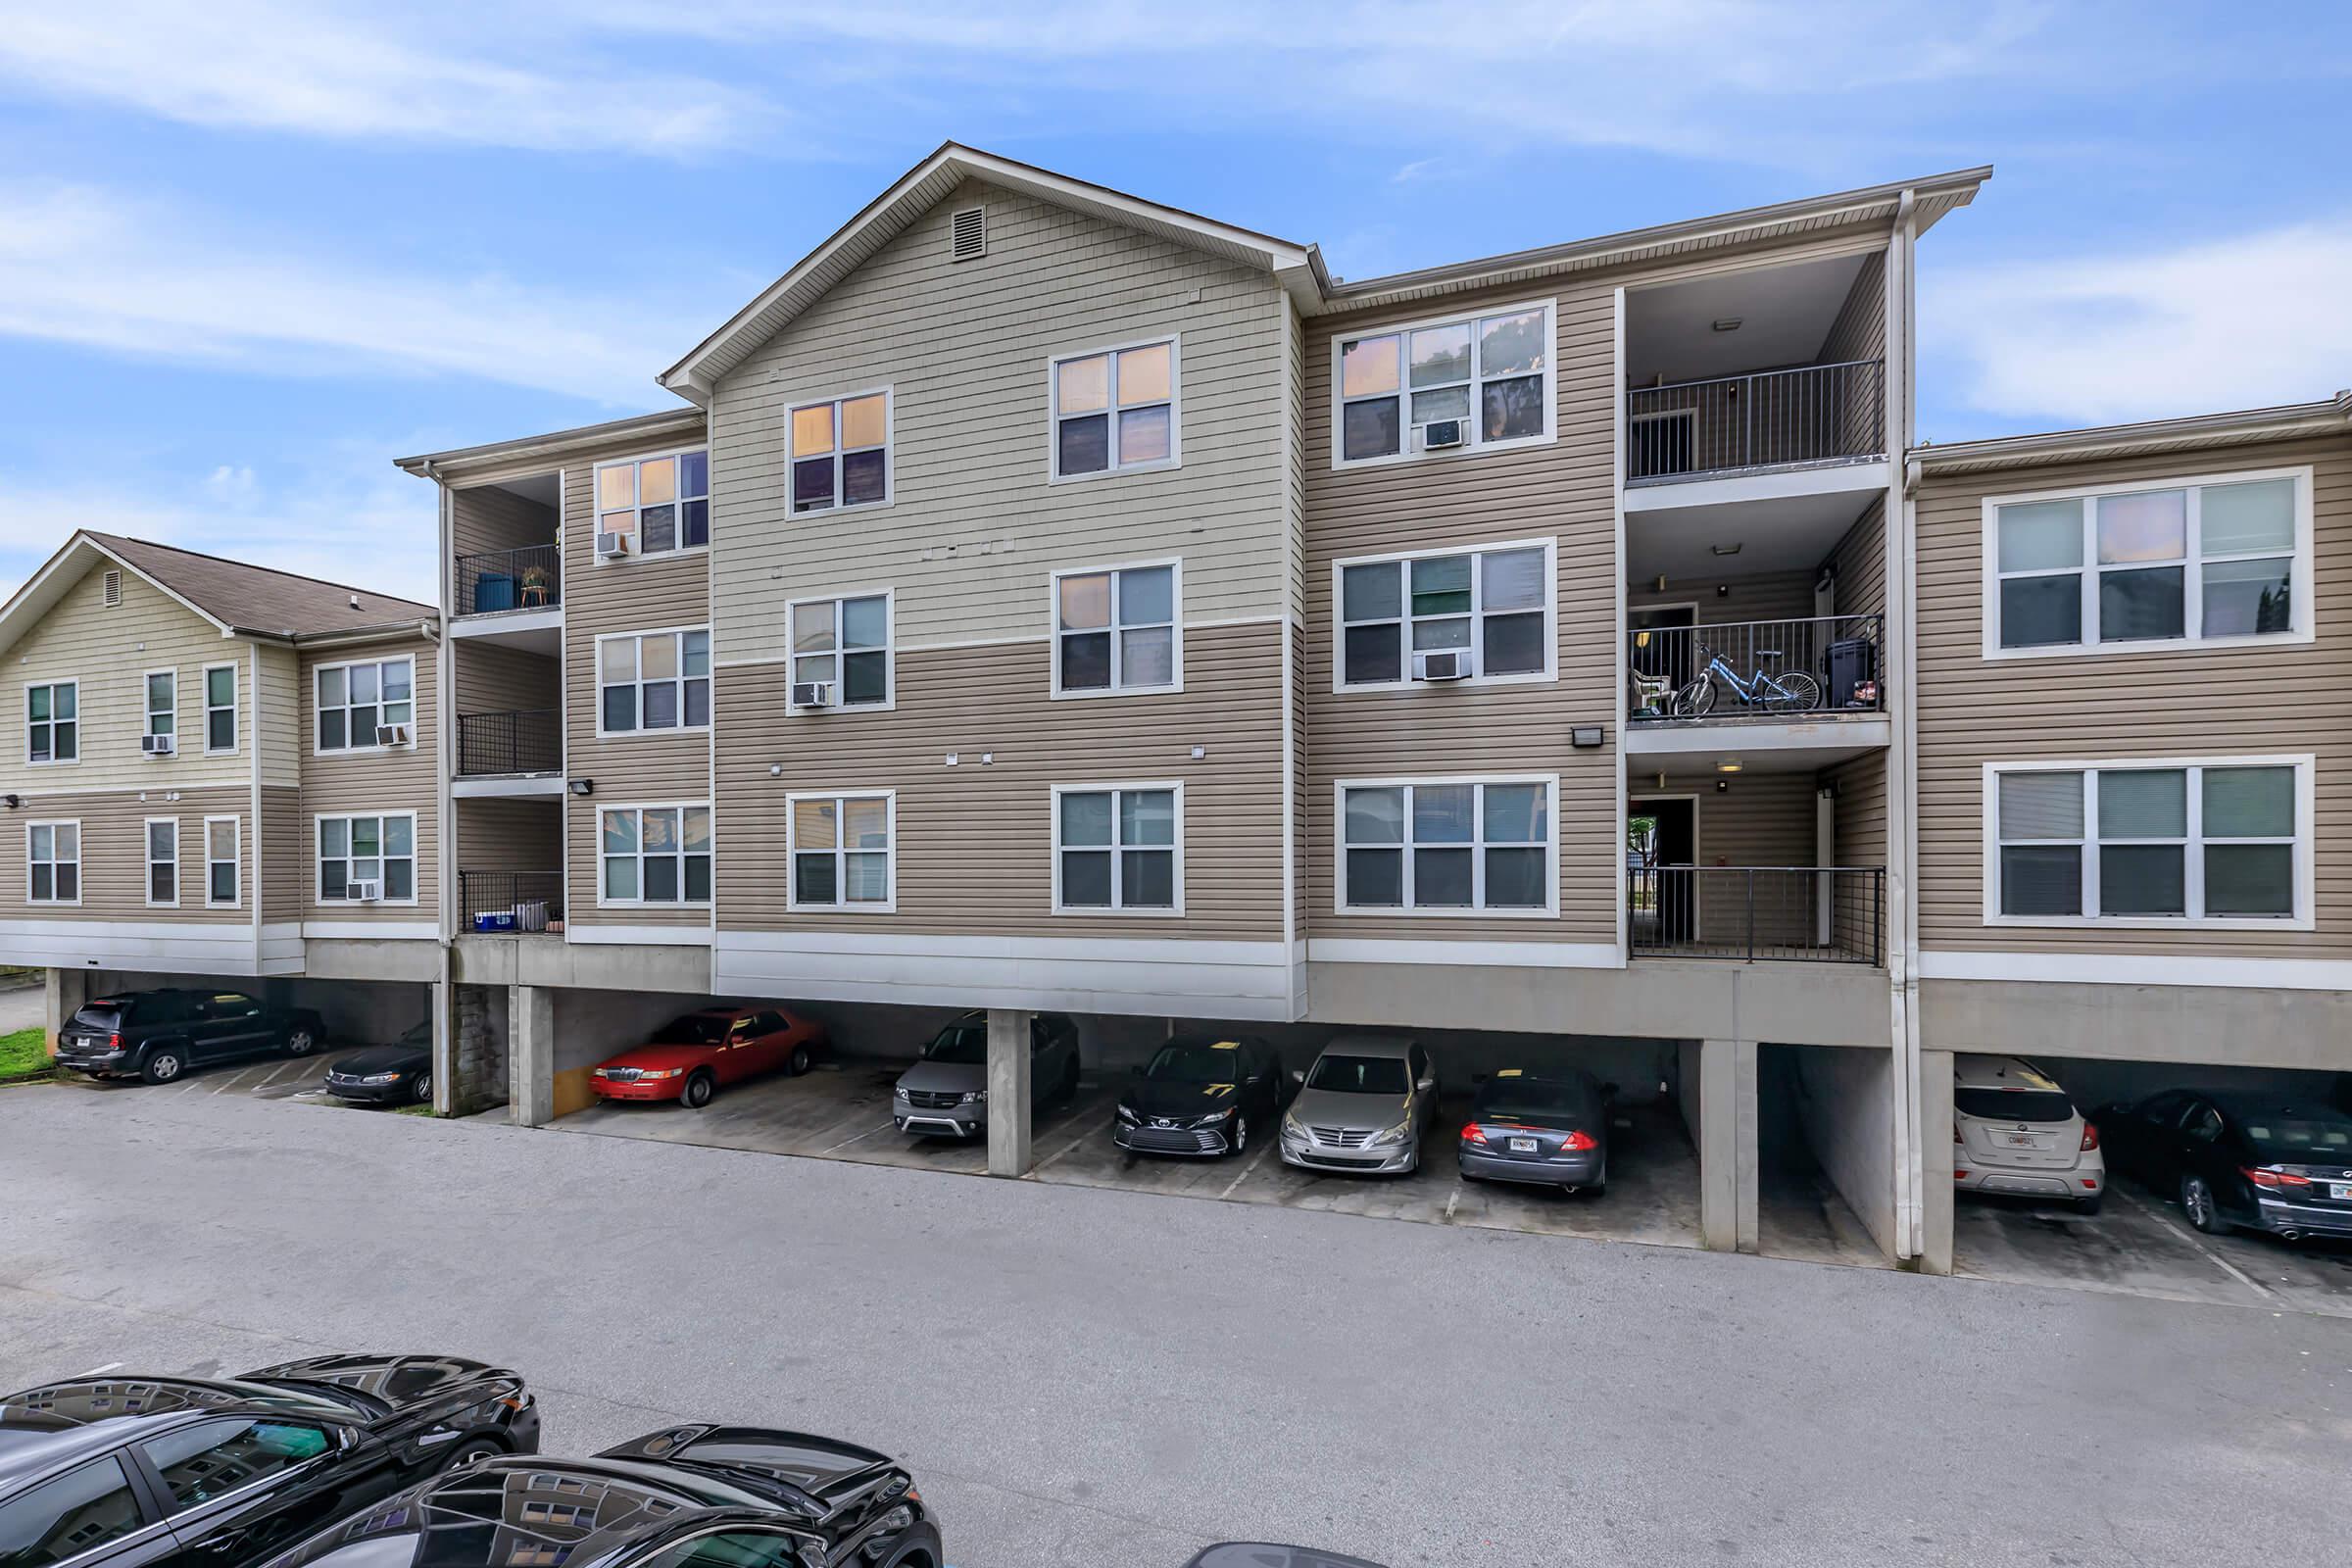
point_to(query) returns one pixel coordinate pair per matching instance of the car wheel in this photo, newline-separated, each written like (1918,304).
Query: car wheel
(799,1063)
(2196,1201)
(1240,1141)
(421,1089)
(699,1090)
(473,1451)
(161,1066)
(301,1041)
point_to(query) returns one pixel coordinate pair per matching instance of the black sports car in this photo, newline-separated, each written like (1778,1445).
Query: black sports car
(1200,1094)
(689,1496)
(2239,1159)
(134,1470)
(397,1074)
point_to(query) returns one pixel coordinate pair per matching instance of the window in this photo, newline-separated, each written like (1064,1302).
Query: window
(215,1459)
(220,708)
(163,860)
(356,701)
(78,1512)
(162,702)
(1115,410)
(1447,846)
(655,855)
(844,644)
(382,850)
(1118,848)
(2149,843)
(53,863)
(1114,630)
(659,504)
(1496,604)
(53,722)
(841,451)
(1490,372)
(221,835)
(2214,560)
(652,680)
(843,851)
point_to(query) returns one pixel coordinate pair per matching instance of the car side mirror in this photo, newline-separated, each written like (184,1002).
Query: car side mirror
(1298,1075)
(1425,1084)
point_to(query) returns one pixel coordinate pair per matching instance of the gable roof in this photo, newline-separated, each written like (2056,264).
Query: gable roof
(2199,433)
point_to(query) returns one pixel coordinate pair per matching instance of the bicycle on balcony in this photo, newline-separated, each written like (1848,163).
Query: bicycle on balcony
(1788,691)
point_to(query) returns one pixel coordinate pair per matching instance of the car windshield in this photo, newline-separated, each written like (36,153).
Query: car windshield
(2292,1136)
(2013,1104)
(1195,1062)
(964,1043)
(1359,1075)
(1518,1098)
(694,1029)
(417,1034)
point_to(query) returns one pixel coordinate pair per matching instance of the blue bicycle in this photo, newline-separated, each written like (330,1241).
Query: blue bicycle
(1790,691)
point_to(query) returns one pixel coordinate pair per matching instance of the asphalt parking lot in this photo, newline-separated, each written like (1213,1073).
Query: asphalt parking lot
(295,1078)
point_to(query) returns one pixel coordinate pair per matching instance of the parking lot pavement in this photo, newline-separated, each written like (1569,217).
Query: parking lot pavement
(2139,1243)
(21,1008)
(300,1078)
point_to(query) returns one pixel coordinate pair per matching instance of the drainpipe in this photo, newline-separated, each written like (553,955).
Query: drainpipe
(446,1100)
(1901,786)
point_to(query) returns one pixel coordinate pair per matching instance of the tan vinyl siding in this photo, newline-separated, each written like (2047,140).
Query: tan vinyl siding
(1859,838)
(974,528)
(1766,596)
(286,849)
(1860,564)
(280,732)
(114,854)
(975,841)
(509,835)
(1860,331)
(371,783)
(493,678)
(486,517)
(2178,703)
(1762,819)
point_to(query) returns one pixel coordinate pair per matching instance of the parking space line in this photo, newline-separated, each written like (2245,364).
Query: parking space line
(2190,1237)
(1248,1166)
(860,1139)
(1090,1132)
(96,1370)
(281,1071)
(1453,1201)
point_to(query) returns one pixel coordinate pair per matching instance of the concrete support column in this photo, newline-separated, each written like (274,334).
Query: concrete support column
(448,1098)
(1935,1159)
(1726,1134)
(62,993)
(1008,1072)
(530,1056)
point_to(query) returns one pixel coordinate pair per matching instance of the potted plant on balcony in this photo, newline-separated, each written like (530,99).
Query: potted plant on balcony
(536,583)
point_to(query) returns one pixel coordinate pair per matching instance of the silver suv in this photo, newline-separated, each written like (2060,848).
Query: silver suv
(1363,1106)
(945,1094)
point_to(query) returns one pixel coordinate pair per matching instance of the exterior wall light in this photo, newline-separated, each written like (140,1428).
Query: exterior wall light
(583,785)
(1585,737)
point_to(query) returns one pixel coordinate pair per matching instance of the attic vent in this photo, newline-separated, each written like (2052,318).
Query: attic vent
(972,234)
(110,590)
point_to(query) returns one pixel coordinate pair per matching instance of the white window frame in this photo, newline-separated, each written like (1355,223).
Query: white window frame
(235,861)
(53,824)
(679,636)
(1175,625)
(2303,596)
(148,712)
(890,450)
(319,854)
(52,760)
(1053,364)
(1405,617)
(889,650)
(1473,446)
(640,808)
(318,675)
(636,528)
(890,852)
(1114,849)
(1478,845)
(230,709)
(147,828)
(2194,871)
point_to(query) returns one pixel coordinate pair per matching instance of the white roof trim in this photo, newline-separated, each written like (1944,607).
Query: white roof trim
(2328,416)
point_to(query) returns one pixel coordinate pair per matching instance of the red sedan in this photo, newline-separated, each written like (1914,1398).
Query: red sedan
(689,1057)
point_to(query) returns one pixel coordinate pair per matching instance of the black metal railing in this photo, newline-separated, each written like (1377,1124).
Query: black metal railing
(1811,914)
(1821,663)
(490,744)
(1811,414)
(503,902)
(499,580)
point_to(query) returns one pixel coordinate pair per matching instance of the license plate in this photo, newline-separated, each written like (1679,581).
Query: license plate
(1523,1146)
(2340,1192)
(2017,1139)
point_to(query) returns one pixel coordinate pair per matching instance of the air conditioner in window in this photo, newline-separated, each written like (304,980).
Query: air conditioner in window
(159,745)
(613,546)
(1439,434)
(813,694)
(363,891)
(391,734)
(1451,664)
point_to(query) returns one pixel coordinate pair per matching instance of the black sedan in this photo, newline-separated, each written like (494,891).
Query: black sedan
(158,1034)
(1550,1129)
(1200,1094)
(2239,1159)
(690,1497)
(133,1470)
(397,1074)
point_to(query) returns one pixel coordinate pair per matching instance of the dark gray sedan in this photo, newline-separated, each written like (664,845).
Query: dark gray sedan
(1552,1129)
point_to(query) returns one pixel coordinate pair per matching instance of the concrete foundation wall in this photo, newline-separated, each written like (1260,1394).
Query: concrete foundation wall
(2242,1026)
(1844,1104)
(356,1012)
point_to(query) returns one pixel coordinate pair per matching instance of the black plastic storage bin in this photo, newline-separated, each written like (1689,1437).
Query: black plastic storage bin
(1852,661)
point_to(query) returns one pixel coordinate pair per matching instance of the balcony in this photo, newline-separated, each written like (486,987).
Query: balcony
(510,903)
(1757,913)
(1809,416)
(510,745)
(523,582)
(1808,692)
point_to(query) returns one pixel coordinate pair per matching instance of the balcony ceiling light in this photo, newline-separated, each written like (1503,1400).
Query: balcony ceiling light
(1728,323)
(1727,764)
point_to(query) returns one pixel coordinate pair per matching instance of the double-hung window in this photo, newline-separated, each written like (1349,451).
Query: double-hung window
(659,504)
(842,644)
(655,855)
(163,704)
(1118,848)
(2149,843)
(382,850)
(53,722)
(2224,558)
(840,451)
(220,708)
(843,850)
(1115,410)
(53,863)
(1447,846)
(1494,605)
(358,703)
(221,861)
(163,860)
(655,680)
(1484,382)
(1116,630)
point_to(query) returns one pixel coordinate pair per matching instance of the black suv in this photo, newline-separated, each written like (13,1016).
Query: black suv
(158,1034)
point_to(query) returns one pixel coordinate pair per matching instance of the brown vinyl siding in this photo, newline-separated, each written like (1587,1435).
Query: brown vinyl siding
(1766,596)
(286,851)
(507,834)
(280,732)
(494,678)
(1859,839)
(114,854)
(371,783)
(1860,563)
(2168,702)
(486,517)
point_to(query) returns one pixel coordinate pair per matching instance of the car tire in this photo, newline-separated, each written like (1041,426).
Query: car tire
(2089,1206)
(799,1062)
(1239,1142)
(163,1066)
(301,1040)
(421,1089)
(699,1087)
(2199,1203)
(474,1450)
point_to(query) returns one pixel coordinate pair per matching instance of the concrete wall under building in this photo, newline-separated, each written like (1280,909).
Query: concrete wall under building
(1841,1102)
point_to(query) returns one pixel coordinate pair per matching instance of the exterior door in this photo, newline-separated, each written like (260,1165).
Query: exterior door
(1666,890)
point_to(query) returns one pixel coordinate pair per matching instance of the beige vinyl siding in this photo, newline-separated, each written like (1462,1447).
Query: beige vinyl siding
(1860,563)
(371,783)
(2173,702)
(509,835)
(278,730)
(1294,468)
(1768,596)
(486,517)
(1302,795)
(287,848)
(1859,838)
(114,854)
(1860,331)
(974,528)
(975,842)
(494,678)
(1762,819)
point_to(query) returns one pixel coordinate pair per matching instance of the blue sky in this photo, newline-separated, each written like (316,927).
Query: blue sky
(257,248)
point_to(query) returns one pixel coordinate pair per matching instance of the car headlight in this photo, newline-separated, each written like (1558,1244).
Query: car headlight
(661,1072)
(1214,1117)
(1127,1116)
(1396,1134)
(381,1078)
(975,1096)
(1292,1126)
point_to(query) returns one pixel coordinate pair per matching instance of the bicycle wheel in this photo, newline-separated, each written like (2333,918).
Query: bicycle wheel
(1797,694)
(1697,700)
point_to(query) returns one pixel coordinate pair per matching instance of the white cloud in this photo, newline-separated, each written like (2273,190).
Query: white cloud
(2237,324)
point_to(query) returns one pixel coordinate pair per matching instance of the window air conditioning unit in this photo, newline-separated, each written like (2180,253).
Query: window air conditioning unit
(159,745)
(1451,664)
(1439,434)
(612,546)
(363,891)
(813,694)
(391,734)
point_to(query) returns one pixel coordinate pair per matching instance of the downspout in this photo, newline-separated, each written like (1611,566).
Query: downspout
(446,1088)
(1901,788)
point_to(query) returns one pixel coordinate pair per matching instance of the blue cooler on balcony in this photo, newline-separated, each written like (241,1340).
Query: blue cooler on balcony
(1853,662)
(493,591)
(502,920)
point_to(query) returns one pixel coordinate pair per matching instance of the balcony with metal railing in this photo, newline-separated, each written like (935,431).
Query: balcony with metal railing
(1807,416)
(510,903)
(510,745)
(1757,913)
(498,582)
(1814,667)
